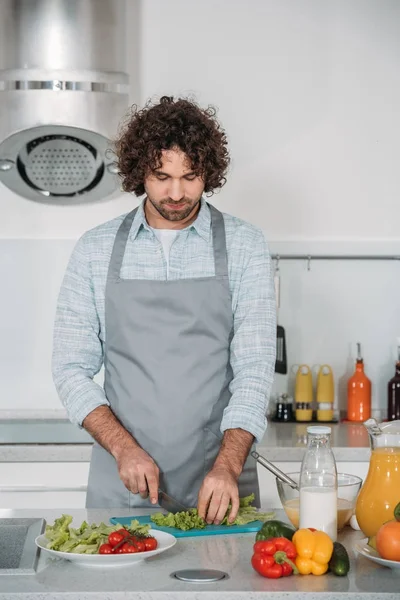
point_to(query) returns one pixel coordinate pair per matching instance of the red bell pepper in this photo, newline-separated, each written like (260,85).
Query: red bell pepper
(274,558)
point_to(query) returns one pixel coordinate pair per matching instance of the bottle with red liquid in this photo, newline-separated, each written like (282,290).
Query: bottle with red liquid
(394,392)
(359,392)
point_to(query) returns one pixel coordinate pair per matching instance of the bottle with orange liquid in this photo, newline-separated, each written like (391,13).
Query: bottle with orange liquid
(380,493)
(359,392)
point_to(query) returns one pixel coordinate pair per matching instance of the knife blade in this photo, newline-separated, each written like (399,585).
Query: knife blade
(171,504)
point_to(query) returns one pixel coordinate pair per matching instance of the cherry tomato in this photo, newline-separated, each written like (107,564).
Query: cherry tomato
(150,544)
(106,549)
(128,548)
(139,544)
(124,532)
(115,538)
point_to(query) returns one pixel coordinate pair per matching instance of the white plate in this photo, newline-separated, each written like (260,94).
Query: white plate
(164,540)
(361,546)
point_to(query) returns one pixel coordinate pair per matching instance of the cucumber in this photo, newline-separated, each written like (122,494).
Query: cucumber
(340,562)
(275,528)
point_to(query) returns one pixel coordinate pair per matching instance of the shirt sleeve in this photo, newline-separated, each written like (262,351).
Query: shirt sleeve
(253,346)
(77,348)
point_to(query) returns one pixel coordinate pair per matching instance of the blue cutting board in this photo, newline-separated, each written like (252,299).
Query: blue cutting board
(208,529)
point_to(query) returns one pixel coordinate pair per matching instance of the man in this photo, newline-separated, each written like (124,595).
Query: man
(177,300)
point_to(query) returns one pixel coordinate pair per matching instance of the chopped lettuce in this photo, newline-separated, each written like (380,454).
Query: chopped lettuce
(247,513)
(246,501)
(86,539)
(60,526)
(181,520)
(190,519)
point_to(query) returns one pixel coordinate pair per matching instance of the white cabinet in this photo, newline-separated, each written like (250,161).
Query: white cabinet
(63,484)
(43,485)
(268,490)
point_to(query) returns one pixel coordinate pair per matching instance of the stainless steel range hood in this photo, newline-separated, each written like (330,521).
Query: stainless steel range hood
(63,92)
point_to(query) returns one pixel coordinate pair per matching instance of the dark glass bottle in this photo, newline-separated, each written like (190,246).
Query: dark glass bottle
(394,395)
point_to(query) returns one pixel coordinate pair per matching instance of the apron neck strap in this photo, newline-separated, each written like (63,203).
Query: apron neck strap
(219,242)
(218,235)
(118,250)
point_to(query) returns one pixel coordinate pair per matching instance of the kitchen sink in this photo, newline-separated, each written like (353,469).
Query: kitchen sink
(18,551)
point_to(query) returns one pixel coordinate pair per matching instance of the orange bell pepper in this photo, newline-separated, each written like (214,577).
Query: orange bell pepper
(314,551)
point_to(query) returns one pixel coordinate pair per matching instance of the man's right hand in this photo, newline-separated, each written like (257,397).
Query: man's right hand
(138,472)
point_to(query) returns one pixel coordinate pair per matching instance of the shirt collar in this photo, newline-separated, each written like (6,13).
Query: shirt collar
(139,221)
(202,224)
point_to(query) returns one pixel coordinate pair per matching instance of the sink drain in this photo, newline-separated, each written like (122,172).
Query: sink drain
(199,575)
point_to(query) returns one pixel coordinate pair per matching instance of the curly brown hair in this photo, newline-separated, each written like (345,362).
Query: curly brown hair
(166,125)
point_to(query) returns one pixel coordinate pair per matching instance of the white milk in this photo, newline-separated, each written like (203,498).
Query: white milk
(318,509)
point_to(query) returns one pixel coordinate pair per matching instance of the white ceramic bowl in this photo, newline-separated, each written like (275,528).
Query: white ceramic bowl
(102,561)
(348,489)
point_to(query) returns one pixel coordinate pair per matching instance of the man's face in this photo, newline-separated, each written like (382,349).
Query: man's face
(174,190)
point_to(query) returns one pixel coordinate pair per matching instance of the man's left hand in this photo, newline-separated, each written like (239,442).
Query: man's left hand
(219,488)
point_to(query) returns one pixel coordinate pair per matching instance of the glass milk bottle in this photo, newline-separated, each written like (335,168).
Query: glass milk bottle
(318,483)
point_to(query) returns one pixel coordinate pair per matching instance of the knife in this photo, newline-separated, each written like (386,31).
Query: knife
(170,504)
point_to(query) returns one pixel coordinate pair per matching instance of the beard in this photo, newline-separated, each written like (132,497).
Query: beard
(180,213)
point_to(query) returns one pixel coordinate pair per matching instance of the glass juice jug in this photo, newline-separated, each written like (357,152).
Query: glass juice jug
(381,490)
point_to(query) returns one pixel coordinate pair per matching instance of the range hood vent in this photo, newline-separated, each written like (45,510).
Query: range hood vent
(63,92)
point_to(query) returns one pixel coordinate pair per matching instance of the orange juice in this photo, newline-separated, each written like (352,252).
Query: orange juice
(381,490)
(344,511)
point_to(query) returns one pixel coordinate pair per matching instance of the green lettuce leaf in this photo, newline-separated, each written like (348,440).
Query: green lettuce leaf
(246,501)
(85,539)
(59,526)
(190,519)
(85,549)
(184,520)
(57,542)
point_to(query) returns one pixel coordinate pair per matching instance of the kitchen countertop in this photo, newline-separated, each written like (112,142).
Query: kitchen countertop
(55,439)
(58,579)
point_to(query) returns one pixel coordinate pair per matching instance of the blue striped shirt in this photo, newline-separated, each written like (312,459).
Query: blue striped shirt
(79,331)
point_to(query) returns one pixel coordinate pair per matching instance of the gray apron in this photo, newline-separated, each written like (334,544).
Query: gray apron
(167,375)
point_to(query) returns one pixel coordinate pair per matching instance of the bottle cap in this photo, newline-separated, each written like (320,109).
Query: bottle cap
(318,430)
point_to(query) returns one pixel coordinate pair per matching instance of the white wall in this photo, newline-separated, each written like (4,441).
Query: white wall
(308,92)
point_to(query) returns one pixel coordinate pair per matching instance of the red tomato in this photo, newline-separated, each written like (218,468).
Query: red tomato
(139,544)
(115,538)
(150,544)
(133,538)
(128,548)
(124,532)
(105,549)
